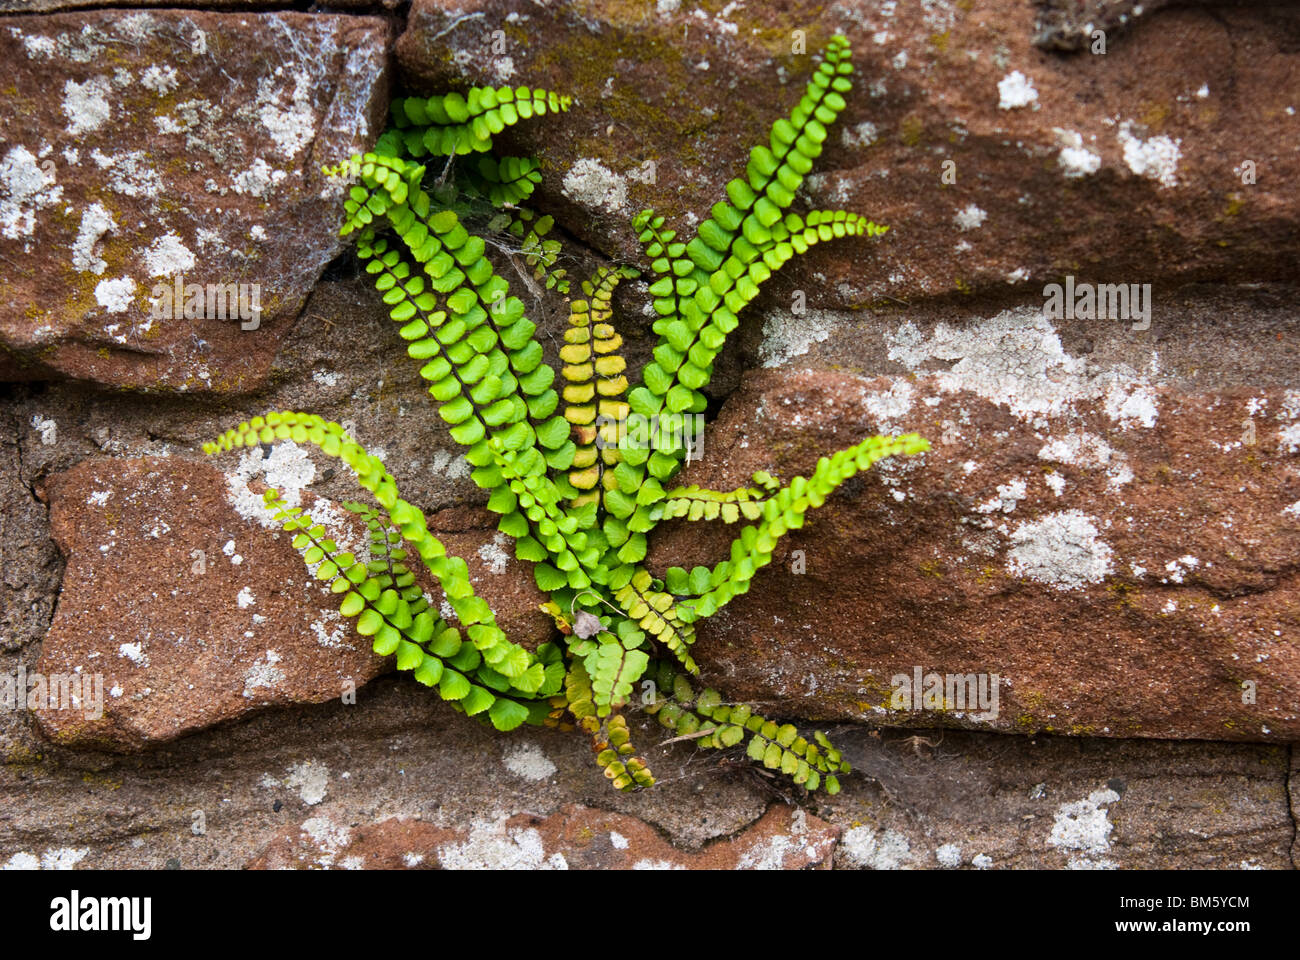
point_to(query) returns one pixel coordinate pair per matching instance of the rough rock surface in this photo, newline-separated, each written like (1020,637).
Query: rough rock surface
(1079,467)
(577,838)
(181,608)
(138,146)
(231,796)
(996,164)
(187,606)
(1101,522)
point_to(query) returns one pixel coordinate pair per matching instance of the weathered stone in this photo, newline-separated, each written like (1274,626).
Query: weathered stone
(183,596)
(994,163)
(184,608)
(29,558)
(956,800)
(1108,527)
(1171,443)
(49,6)
(145,145)
(575,838)
(506,583)
(950,798)
(1089,24)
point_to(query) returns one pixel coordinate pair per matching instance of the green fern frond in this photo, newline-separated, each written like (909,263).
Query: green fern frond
(454,124)
(611,740)
(697,503)
(657,614)
(400,624)
(785,511)
(540,254)
(519,668)
(721,268)
(594,383)
(713,724)
(503,182)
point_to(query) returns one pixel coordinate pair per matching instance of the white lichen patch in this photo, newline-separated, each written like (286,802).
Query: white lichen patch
(115,295)
(245,598)
(1016,359)
(26,186)
(969,217)
(167,255)
(196,119)
(875,850)
(948,855)
(129,173)
(86,105)
(95,222)
(1131,406)
(47,429)
(258,179)
(495,554)
(135,26)
(887,406)
(133,652)
(861,135)
(161,80)
(310,779)
(492,845)
(1155,158)
(327,837)
(1085,827)
(293,125)
(788,335)
(36,47)
(1006,498)
(1015,90)
(331,630)
(1074,159)
(592,185)
(1079,448)
(263,674)
(1083,449)
(54,858)
(288,469)
(528,761)
(796,848)
(1178,569)
(1062,550)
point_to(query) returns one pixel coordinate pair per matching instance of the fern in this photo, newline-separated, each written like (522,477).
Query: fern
(576,465)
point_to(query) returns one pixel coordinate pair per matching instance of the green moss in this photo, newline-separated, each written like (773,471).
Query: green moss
(910,130)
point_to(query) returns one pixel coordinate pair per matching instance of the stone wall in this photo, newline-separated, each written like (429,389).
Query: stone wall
(1108,519)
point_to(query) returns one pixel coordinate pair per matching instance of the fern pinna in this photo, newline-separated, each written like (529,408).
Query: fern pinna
(575,490)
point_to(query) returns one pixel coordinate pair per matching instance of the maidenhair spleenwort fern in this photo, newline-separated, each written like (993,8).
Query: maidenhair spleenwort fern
(576,496)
